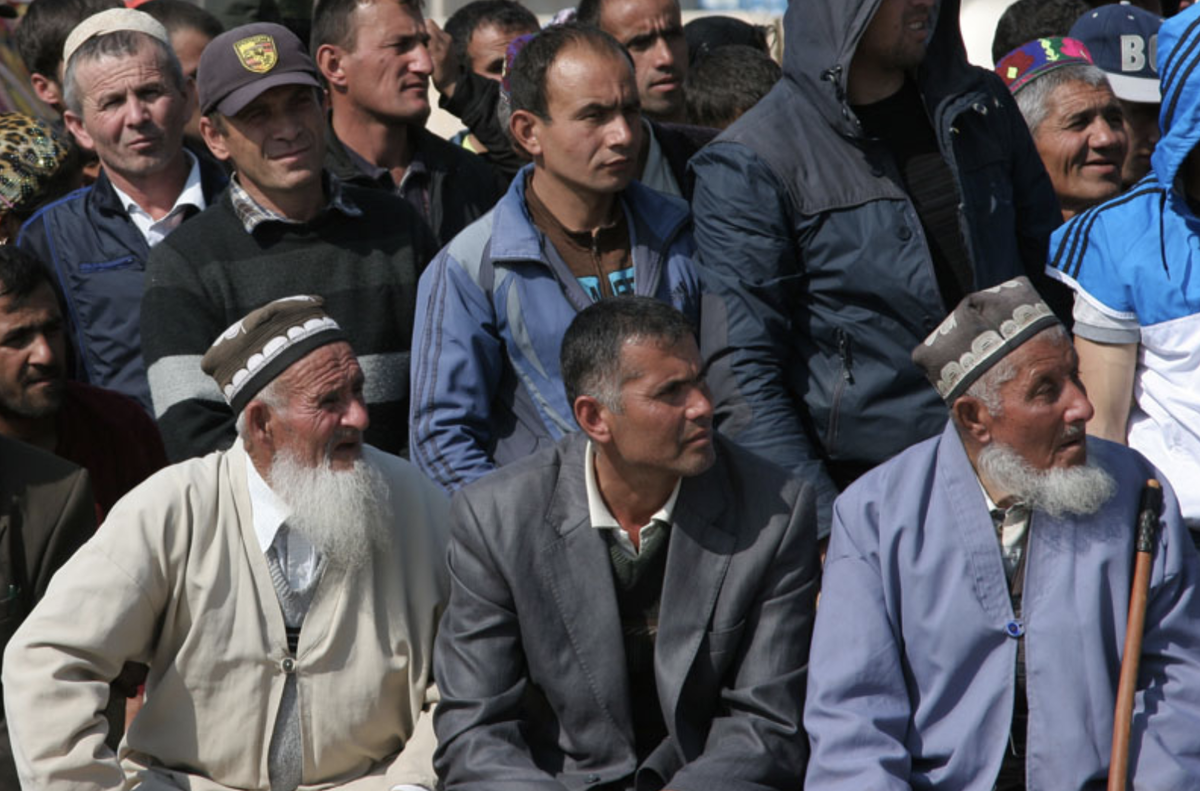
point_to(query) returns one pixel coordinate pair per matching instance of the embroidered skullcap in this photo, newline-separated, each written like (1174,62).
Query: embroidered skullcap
(111,21)
(984,328)
(1040,57)
(31,153)
(250,354)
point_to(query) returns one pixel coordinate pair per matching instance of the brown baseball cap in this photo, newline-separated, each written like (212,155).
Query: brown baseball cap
(240,64)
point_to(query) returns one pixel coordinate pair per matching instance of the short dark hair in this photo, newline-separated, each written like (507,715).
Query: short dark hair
(21,273)
(505,15)
(117,44)
(707,34)
(590,359)
(528,80)
(588,12)
(726,83)
(44,29)
(1026,20)
(331,22)
(177,15)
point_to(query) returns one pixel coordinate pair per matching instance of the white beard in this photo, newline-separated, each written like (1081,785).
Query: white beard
(344,514)
(1079,490)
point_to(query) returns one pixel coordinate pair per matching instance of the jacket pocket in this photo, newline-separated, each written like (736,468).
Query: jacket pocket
(722,640)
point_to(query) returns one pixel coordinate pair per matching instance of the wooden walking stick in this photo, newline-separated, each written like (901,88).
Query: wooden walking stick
(1147,534)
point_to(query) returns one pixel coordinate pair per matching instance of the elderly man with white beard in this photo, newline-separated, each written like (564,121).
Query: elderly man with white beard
(976,588)
(284,594)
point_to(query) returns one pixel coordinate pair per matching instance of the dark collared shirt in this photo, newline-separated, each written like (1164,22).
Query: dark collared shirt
(414,187)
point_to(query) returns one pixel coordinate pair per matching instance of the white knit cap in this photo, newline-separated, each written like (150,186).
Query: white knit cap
(111,21)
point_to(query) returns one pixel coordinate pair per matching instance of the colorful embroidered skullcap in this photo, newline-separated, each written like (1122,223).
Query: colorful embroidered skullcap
(984,328)
(251,353)
(31,153)
(510,57)
(1033,59)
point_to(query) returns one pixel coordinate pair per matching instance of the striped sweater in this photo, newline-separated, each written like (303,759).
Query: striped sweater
(211,273)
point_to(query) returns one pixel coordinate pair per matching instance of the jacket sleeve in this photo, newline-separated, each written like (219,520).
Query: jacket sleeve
(101,610)
(749,264)
(179,323)
(456,370)
(1165,737)
(480,667)
(758,741)
(857,713)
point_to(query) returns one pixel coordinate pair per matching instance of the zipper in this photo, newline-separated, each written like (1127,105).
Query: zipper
(847,378)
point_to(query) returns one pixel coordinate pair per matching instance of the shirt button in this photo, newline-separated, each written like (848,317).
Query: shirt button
(1014,628)
(905,233)
(288,665)
(592,779)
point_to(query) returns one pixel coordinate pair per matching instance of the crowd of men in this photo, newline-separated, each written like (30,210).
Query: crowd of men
(336,454)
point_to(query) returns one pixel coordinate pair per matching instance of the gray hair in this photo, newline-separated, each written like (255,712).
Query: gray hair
(987,387)
(273,395)
(119,43)
(1034,96)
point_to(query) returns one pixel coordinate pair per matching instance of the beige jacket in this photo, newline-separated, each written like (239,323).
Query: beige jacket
(176,580)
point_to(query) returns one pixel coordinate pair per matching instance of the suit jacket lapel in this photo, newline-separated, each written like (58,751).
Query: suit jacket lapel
(578,572)
(702,542)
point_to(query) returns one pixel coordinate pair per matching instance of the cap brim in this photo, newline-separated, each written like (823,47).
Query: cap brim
(232,103)
(1135,89)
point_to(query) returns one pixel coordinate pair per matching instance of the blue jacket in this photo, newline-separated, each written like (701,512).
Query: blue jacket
(1135,261)
(491,312)
(912,671)
(98,257)
(805,233)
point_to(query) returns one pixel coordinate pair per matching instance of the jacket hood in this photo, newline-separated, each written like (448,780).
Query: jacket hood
(1179,115)
(820,39)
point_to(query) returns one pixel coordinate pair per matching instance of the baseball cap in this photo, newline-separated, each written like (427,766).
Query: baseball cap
(1123,40)
(1038,57)
(240,64)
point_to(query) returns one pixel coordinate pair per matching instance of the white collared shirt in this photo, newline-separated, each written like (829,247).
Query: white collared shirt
(657,173)
(154,231)
(296,555)
(602,518)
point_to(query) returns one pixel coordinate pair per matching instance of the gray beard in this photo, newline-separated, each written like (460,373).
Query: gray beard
(344,514)
(1080,490)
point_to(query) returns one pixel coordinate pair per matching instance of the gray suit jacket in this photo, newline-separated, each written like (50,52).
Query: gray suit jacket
(530,657)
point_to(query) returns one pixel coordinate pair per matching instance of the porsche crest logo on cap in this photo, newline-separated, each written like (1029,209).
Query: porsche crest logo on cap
(257,53)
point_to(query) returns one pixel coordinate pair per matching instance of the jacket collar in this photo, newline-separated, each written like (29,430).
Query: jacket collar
(654,219)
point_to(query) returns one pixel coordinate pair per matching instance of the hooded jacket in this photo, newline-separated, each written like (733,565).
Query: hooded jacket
(1133,263)
(807,236)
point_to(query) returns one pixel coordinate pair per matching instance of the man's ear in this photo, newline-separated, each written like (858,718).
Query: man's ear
(973,418)
(592,417)
(46,89)
(524,127)
(260,429)
(329,61)
(74,124)
(213,138)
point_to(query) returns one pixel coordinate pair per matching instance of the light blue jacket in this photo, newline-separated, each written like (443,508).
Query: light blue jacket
(491,312)
(912,668)
(1135,260)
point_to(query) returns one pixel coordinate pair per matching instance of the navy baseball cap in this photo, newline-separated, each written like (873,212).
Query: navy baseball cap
(240,64)
(1123,40)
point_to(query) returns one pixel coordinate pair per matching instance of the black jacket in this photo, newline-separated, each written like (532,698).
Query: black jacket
(462,188)
(824,280)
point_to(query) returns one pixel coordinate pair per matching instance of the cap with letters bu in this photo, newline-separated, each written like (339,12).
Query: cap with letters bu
(240,64)
(1123,40)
